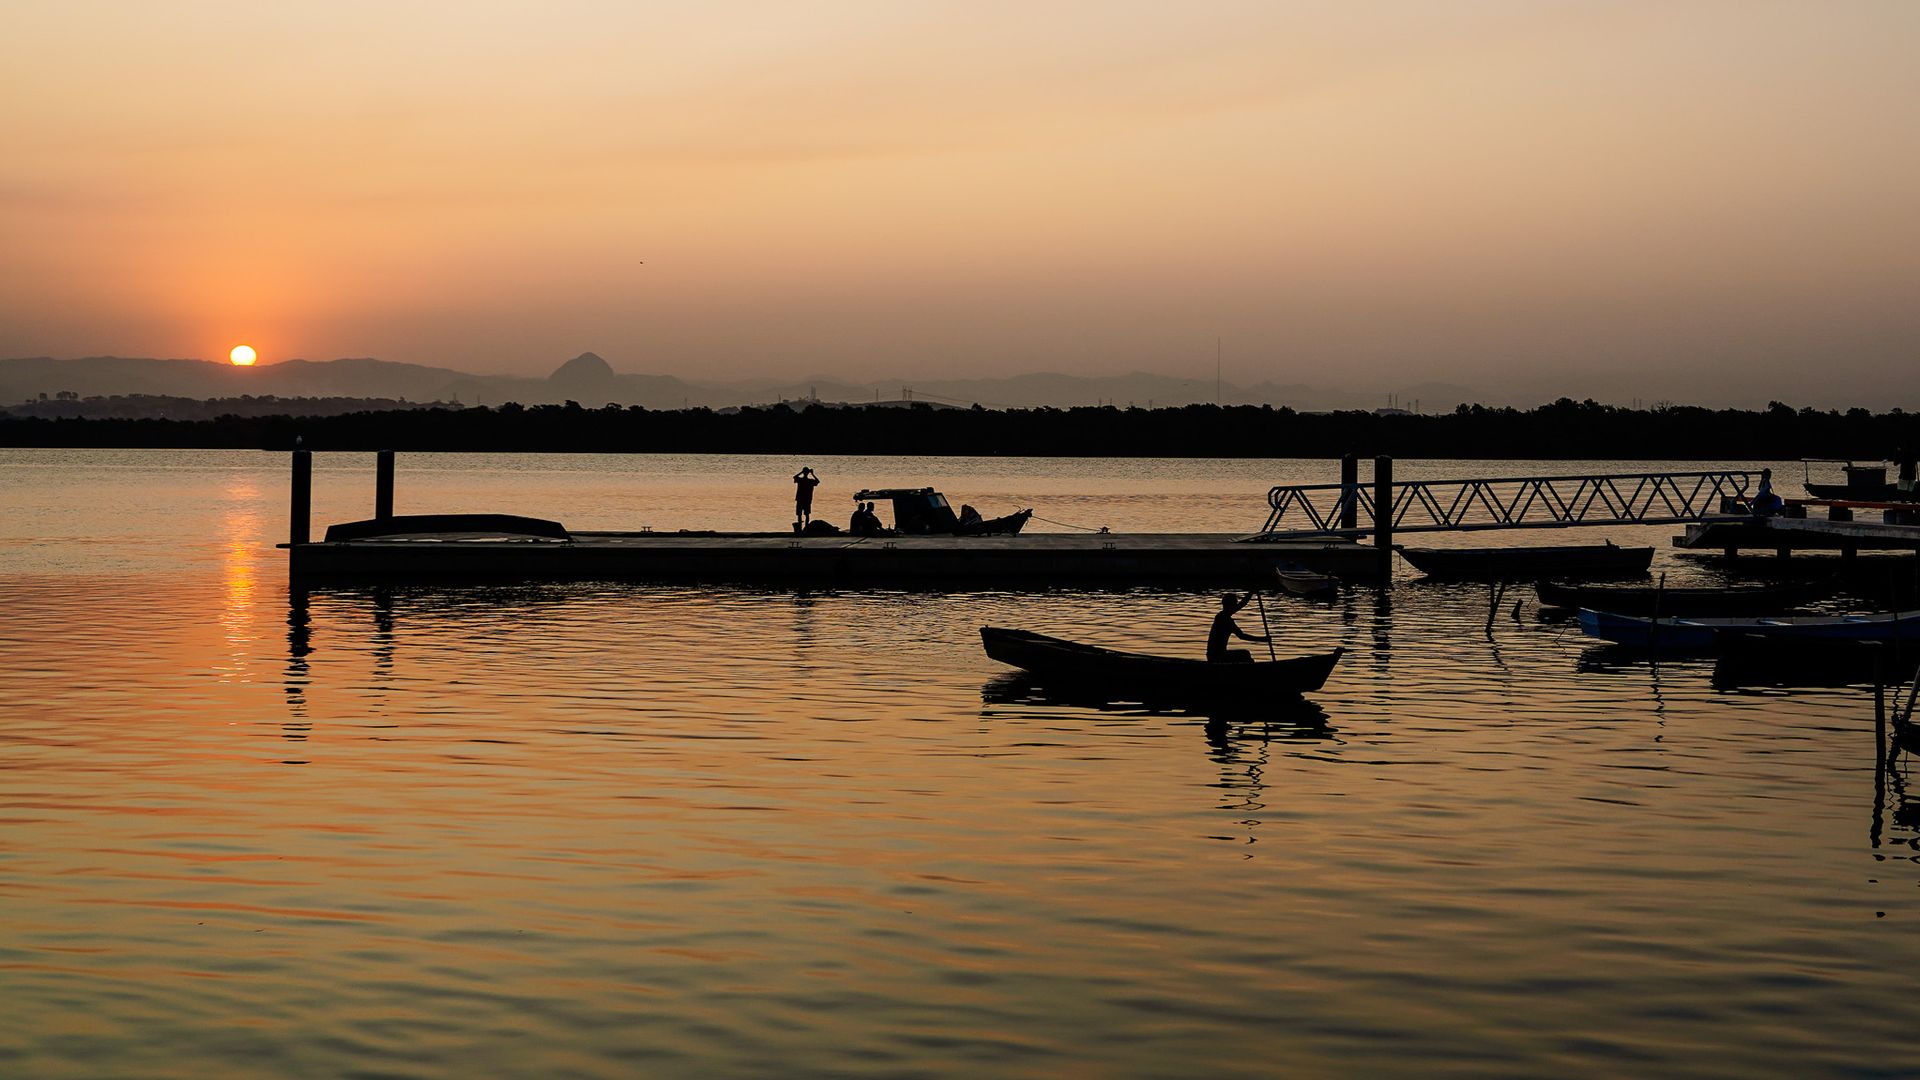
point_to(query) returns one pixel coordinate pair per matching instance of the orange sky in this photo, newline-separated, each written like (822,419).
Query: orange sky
(1463,191)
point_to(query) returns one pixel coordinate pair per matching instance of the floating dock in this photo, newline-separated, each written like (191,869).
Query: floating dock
(1046,558)
(507,548)
(1795,529)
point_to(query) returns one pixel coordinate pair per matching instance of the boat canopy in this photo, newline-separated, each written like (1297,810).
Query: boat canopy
(915,510)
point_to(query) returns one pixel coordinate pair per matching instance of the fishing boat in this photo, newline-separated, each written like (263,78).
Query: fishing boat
(1865,483)
(1651,600)
(1670,633)
(1524,563)
(1299,582)
(1057,659)
(924,511)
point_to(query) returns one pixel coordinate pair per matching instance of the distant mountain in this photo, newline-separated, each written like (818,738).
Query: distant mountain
(592,381)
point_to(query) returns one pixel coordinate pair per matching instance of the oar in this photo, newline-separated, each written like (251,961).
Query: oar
(1268,630)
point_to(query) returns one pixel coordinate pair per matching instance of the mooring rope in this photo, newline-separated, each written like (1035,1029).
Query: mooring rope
(1071,525)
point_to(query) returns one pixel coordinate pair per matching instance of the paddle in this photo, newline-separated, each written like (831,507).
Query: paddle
(1264,628)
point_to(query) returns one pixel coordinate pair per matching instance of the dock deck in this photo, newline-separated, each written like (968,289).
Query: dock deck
(990,561)
(1800,534)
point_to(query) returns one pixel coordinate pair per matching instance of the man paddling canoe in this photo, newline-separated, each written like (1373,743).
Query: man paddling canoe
(1224,627)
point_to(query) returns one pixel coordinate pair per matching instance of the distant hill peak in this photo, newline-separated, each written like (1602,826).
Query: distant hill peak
(586,367)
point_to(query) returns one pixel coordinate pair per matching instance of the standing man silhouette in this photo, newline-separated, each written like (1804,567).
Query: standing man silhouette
(804,482)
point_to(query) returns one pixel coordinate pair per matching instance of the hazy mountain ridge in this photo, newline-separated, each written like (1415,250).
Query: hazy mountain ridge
(592,381)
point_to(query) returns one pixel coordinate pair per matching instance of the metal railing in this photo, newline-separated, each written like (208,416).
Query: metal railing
(1508,502)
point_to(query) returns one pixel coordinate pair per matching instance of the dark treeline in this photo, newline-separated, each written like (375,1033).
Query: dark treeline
(1566,429)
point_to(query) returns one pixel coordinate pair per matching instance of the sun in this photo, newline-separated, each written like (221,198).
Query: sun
(243,356)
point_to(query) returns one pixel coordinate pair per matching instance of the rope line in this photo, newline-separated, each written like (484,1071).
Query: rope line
(1070,525)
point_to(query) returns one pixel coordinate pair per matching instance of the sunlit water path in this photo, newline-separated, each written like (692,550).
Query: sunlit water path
(611,830)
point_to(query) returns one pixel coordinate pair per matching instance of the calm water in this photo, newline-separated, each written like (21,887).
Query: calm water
(605,831)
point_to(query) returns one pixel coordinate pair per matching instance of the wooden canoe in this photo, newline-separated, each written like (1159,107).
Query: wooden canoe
(1307,583)
(1074,663)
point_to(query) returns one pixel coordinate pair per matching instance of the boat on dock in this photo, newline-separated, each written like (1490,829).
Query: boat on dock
(1706,633)
(1074,663)
(1530,563)
(1649,600)
(926,512)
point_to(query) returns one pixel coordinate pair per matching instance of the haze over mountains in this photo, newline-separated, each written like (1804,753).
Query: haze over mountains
(593,382)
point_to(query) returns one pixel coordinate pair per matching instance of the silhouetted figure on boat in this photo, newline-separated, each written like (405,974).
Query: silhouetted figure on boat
(1765,503)
(804,482)
(1905,460)
(1224,627)
(865,522)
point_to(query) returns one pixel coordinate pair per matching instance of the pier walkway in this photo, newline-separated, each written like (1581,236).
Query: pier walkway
(1351,508)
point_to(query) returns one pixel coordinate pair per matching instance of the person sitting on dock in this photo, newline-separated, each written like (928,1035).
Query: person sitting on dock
(1764,502)
(865,522)
(1224,627)
(804,482)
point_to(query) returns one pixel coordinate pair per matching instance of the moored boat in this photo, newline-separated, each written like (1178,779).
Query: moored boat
(1673,633)
(1298,582)
(1525,563)
(1074,663)
(924,511)
(1651,600)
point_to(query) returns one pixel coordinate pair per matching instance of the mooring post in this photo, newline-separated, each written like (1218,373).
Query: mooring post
(1349,491)
(383,485)
(302,521)
(1383,514)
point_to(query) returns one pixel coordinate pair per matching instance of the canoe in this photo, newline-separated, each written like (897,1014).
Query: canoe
(1708,632)
(1307,583)
(1646,599)
(1074,663)
(1525,563)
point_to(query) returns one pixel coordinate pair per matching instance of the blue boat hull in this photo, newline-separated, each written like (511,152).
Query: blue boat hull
(1706,633)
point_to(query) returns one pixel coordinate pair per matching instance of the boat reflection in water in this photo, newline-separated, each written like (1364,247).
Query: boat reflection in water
(1760,662)
(1226,720)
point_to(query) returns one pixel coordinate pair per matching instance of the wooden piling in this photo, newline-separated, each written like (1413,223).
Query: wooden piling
(1349,491)
(1383,515)
(383,485)
(299,530)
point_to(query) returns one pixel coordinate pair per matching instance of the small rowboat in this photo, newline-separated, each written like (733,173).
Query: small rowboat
(1707,633)
(1530,563)
(1070,662)
(1647,600)
(1307,583)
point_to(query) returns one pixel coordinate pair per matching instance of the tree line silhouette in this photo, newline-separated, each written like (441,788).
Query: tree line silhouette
(1564,429)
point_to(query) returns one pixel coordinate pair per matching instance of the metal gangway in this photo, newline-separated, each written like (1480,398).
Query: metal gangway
(1352,508)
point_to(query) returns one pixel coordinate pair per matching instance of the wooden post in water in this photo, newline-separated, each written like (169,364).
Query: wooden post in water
(1383,514)
(1349,491)
(302,516)
(383,485)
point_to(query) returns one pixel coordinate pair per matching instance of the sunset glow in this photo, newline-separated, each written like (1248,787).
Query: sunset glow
(1673,199)
(243,356)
